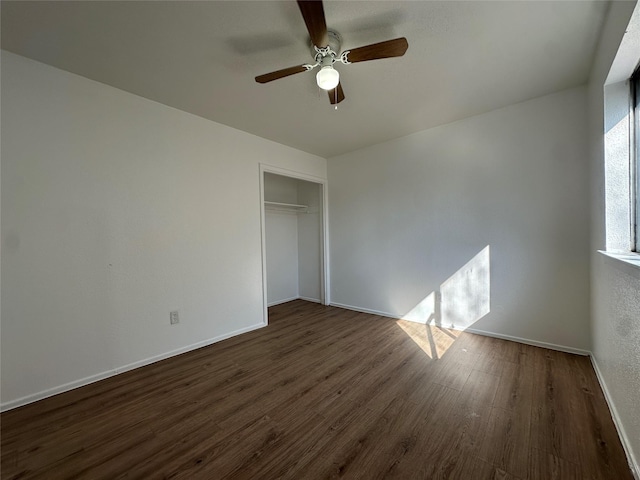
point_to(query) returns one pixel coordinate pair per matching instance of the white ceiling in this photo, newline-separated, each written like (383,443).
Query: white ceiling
(464,58)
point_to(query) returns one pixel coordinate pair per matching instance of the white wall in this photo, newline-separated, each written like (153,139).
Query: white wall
(615,319)
(281,232)
(411,219)
(116,210)
(309,241)
(278,188)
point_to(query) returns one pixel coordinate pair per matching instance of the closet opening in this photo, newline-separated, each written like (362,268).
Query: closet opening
(293,217)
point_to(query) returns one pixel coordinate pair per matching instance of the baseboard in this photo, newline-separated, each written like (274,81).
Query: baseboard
(633,464)
(309,299)
(110,373)
(365,310)
(278,302)
(526,341)
(299,297)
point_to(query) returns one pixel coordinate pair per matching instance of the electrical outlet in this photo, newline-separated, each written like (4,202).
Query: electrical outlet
(173,317)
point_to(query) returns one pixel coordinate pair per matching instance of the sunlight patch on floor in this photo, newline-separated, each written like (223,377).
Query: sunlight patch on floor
(433,340)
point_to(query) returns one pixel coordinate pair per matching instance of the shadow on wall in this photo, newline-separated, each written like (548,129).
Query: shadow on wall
(464,298)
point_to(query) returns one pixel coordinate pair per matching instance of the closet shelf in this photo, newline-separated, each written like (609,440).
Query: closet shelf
(291,207)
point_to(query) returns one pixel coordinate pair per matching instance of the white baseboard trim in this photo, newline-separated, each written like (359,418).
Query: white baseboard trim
(309,299)
(278,302)
(526,341)
(299,297)
(633,464)
(19,402)
(365,310)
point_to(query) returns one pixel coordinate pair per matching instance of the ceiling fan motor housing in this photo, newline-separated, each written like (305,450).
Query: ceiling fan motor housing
(333,49)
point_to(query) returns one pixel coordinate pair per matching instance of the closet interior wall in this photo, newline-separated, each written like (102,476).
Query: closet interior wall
(293,231)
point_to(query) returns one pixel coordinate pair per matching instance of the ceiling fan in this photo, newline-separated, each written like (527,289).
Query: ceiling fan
(325,49)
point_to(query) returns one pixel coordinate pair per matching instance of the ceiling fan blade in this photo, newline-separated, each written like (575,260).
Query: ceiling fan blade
(336,95)
(391,48)
(285,72)
(313,14)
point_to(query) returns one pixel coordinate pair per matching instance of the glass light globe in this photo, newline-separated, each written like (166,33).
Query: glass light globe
(328,78)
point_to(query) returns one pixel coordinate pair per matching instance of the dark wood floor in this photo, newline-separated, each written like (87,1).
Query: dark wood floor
(323,393)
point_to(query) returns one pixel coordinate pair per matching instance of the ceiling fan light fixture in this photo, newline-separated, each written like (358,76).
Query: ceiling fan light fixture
(328,78)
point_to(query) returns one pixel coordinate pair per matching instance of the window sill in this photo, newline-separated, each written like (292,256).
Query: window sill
(631,259)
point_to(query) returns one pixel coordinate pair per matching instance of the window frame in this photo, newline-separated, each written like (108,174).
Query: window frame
(635,159)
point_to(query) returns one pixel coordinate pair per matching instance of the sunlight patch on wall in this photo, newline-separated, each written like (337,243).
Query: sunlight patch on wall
(617,178)
(466,294)
(463,299)
(425,311)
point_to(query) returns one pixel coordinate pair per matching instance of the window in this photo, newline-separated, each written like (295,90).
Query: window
(621,174)
(635,157)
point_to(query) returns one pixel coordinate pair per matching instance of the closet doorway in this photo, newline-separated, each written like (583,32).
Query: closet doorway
(293,237)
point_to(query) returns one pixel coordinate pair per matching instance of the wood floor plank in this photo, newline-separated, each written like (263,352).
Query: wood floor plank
(158,457)
(324,392)
(506,442)
(217,459)
(515,389)
(552,429)
(432,440)
(297,445)
(545,466)
(599,450)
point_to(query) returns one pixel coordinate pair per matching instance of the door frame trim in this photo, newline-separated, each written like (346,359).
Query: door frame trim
(324,237)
